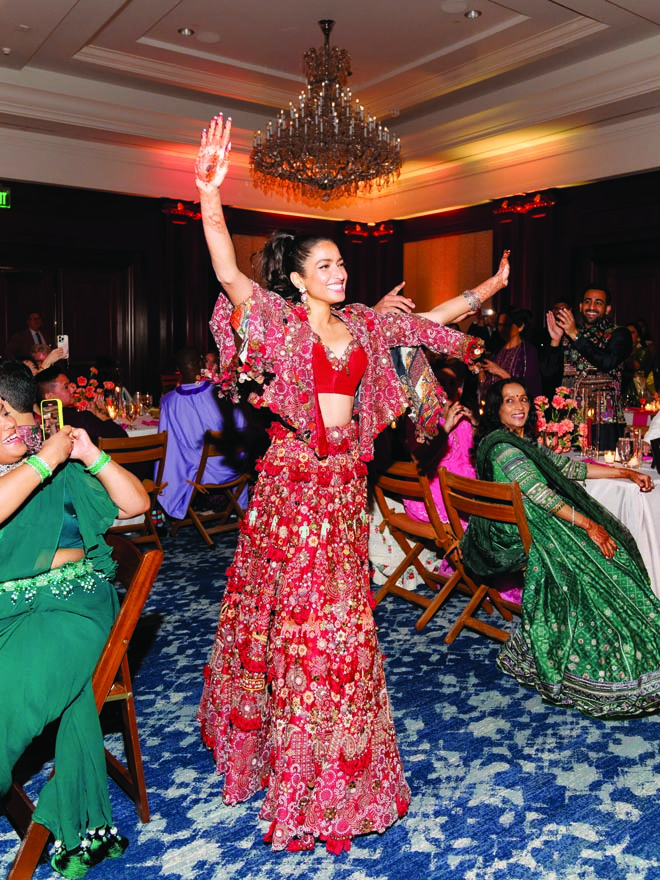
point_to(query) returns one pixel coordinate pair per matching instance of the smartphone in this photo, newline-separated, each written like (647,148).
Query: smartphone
(51,417)
(63,343)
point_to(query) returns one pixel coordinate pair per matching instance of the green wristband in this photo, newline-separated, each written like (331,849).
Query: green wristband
(97,466)
(40,466)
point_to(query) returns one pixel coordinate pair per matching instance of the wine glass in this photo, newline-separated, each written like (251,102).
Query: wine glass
(132,412)
(624,449)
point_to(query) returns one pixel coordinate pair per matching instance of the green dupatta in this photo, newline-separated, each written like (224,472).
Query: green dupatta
(29,538)
(491,548)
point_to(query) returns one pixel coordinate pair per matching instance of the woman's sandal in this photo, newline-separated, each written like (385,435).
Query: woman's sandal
(105,843)
(99,844)
(73,863)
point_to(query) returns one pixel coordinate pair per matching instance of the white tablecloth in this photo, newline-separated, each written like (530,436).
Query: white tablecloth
(639,511)
(143,425)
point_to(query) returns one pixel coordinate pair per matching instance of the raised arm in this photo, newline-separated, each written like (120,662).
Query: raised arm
(210,171)
(466,304)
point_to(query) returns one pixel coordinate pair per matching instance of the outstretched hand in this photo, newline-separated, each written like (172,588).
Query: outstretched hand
(394,302)
(213,157)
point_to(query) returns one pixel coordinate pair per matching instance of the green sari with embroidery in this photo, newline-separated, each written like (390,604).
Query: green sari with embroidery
(589,636)
(53,626)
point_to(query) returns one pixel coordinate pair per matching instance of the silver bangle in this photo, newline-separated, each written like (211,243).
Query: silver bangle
(472,300)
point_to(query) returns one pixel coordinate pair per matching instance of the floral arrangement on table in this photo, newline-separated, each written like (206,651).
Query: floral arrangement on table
(85,390)
(558,424)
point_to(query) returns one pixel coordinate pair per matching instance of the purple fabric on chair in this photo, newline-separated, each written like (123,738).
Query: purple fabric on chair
(186,414)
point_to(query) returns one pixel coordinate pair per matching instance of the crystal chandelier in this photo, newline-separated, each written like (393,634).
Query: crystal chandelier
(327,147)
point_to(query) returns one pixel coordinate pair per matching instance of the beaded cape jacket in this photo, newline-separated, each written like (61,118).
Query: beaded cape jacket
(275,358)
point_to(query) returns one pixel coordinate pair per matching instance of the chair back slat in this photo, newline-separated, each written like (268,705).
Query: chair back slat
(409,480)
(499,502)
(146,449)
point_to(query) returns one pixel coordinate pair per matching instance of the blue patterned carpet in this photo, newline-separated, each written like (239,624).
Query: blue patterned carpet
(503,786)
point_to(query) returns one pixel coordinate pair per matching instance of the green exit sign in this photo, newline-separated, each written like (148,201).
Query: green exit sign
(5,197)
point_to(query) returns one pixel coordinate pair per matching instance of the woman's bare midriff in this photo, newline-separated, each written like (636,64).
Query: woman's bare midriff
(66,554)
(336,409)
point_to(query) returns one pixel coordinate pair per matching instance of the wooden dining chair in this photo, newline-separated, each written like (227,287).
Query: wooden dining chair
(213,522)
(499,502)
(148,450)
(408,480)
(136,572)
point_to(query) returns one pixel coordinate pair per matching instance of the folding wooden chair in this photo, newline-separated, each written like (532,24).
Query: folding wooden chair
(149,450)
(408,480)
(111,681)
(214,522)
(500,502)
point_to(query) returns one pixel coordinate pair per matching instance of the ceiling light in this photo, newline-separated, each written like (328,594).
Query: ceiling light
(186,32)
(473,13)
(327,146)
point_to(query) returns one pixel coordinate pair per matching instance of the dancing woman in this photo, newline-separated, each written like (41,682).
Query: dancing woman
(295,698)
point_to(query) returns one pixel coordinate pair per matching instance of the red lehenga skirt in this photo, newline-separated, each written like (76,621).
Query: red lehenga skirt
(295,698)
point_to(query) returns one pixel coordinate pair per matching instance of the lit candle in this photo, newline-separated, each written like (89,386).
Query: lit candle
(608,455)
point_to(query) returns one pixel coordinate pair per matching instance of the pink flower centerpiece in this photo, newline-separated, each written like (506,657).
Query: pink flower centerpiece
(85,390)
(558,424)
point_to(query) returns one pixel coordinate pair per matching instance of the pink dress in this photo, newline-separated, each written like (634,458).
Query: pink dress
(457,460)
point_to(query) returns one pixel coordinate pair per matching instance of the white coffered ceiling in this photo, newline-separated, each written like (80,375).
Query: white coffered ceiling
(107,94)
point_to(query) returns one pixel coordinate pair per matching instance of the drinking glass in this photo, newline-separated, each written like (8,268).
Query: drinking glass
(624,449)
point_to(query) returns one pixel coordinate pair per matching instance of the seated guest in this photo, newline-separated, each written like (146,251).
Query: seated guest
(517,358)
(590,630)
(53,384)
(56,609)
(452,447)
(187,413)
(211,364)
(43,356)
(18,392)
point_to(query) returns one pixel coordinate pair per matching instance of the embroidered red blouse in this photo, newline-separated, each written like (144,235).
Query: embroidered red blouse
(277,343)
(338,375)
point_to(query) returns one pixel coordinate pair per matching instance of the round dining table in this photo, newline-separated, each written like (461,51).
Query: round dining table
(639,511)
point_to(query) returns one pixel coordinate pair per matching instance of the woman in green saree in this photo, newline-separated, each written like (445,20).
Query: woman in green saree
(56,609)
(590,630)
